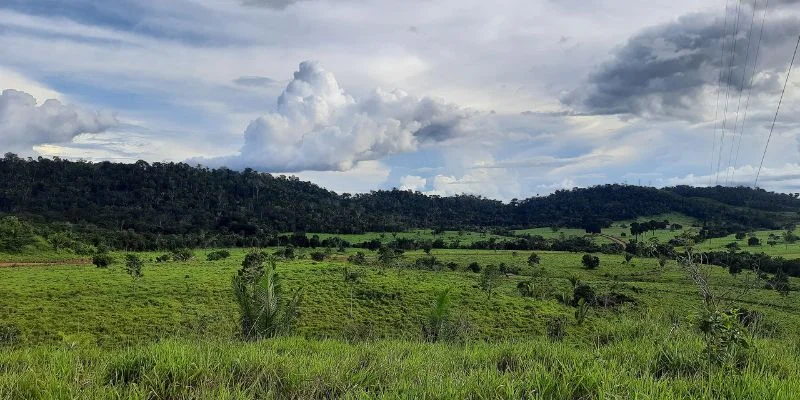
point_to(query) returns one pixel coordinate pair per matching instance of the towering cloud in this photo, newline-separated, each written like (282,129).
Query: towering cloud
(24,124)
(318,126)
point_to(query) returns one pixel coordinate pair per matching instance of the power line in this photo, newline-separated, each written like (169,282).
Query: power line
(719,85)
(750,90)
(789,72)
(741,89)
(728,90)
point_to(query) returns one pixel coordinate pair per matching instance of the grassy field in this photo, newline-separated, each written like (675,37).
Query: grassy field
(449,237)
(76,331)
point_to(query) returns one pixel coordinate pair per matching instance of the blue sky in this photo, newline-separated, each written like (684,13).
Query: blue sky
(505,99)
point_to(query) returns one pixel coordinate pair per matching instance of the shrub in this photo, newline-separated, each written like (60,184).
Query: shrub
(60,240)
(534,259)
(102,260)
(525,288)
(509,269)
(556,328)
(725,337)
(740,235)
(452,266)
(82,249)
(182,255)
(351,276)
(163,258)
(218,255)
(286,252)
(590,262)
(474,267)
(585,293)
(753,241)
(358,258)
(318,256)
(428,262)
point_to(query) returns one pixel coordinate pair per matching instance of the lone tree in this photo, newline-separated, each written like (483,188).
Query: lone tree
(133,266)
(263,310)
(753,241)
(590,262)
(489,279)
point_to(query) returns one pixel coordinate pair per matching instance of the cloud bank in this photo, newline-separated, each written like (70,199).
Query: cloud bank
(665,71)
(317,126)
(24,124)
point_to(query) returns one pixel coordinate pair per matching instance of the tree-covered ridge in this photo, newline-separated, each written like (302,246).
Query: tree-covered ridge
(178,199)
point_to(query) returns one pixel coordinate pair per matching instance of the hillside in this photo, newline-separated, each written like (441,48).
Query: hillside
(163,199)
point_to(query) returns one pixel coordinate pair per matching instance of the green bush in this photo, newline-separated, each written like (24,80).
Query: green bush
(182,255)
(590,262)
(102,260)
(218,255)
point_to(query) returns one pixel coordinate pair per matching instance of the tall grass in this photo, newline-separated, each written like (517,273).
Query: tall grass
(634,365)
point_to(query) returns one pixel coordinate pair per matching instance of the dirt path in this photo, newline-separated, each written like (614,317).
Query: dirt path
(75,261)
(612,238)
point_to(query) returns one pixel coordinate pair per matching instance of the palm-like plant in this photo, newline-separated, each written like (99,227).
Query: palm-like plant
(437,326)
(263,311)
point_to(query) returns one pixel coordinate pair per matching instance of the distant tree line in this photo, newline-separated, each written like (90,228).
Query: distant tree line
(143,206)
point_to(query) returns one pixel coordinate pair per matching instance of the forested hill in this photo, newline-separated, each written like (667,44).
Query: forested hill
(169,198)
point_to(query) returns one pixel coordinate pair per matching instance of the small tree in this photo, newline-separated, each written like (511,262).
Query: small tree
(133,266)
(590,262)
(263,311)
(780,282)
(533,259)
(389,257)
(628,257)
(753,241)
(489,279)
(438,326)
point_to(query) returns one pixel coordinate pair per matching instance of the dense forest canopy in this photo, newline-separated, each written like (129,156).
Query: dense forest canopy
(178,199)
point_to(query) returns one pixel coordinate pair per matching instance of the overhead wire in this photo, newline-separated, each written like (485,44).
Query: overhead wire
(741,90)
(750,89)
(719,86)
(775,118)
(728,90)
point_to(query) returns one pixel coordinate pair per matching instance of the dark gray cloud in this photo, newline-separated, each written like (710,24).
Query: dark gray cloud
(662,71)
(274,4)
(254,81)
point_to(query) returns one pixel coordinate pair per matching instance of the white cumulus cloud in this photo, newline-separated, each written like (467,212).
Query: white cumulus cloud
(24,124)
(413,183)
(317,126)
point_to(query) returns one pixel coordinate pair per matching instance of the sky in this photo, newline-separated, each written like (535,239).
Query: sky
(504,99)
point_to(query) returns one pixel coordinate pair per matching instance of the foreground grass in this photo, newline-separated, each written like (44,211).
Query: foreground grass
(634,359)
